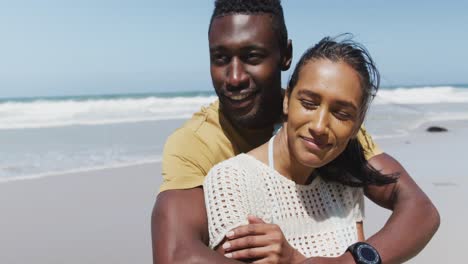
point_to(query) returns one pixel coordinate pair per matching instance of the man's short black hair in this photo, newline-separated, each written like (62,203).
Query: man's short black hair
(252,7)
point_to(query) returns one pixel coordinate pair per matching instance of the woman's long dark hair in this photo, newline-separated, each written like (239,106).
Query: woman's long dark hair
(350,167)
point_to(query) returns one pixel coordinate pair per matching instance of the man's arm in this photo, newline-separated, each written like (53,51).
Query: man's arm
(413,222)
(414,219)
(179,229)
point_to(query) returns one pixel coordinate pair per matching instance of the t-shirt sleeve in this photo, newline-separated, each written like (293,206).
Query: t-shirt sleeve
(226,200)
(186,161)
(369,146)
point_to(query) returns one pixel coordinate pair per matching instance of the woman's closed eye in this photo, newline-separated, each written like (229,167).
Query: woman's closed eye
(344,115)
(309,105)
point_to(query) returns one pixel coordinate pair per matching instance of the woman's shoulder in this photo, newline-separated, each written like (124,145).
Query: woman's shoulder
(240,166)
(237,162)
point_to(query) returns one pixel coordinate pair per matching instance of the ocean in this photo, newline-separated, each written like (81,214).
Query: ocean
(42,136)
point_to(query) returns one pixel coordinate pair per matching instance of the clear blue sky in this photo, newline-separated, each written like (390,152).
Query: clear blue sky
(71,47)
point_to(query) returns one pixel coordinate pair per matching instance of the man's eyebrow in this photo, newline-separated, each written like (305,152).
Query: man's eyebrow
(217,48)
(254,47)
(245,48)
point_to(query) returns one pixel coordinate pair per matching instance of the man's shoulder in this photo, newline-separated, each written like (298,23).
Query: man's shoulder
(369,146)
(201,137)
(203,125)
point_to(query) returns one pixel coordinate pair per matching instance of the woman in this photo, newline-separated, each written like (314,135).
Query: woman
(306,182)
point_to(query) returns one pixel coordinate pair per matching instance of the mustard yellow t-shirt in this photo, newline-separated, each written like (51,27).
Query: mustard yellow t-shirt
(209,138)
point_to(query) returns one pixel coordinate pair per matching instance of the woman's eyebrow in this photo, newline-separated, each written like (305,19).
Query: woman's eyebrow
(305,92)
(347,104)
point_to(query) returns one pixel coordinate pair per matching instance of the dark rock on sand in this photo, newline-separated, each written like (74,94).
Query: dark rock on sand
(436,129)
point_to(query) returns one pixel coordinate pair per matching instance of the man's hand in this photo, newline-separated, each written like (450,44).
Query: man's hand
(260,242)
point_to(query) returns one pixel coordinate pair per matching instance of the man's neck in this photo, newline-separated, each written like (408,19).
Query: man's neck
(256,136)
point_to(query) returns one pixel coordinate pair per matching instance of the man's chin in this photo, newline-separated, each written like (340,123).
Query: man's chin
(247,121)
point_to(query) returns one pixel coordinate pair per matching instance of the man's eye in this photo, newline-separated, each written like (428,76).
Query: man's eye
(219,59)
(254,58)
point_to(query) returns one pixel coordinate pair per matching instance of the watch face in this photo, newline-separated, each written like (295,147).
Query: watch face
(367,254)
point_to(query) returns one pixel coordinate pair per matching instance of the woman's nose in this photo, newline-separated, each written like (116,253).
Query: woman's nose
(319,124)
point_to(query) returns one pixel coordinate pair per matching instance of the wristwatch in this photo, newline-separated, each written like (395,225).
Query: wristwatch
(364,253)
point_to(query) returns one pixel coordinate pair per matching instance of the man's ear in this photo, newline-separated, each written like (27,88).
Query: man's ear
(287,56)
(286,102)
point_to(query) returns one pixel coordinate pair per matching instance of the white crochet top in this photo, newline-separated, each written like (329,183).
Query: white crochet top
(318,219)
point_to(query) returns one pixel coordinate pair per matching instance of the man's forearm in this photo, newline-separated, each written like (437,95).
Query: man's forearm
(414,219)
(179,229)
(413,222)
(398,242)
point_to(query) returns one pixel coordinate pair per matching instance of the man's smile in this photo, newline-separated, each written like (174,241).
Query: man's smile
(241,99)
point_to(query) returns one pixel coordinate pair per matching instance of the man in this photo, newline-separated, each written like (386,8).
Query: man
(248,50)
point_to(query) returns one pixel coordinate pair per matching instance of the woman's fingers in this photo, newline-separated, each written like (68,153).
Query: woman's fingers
(255,253)
(246,242)
(255,220)
(249,230)
(259,242)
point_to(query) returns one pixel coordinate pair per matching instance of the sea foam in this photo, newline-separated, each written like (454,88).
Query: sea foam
(422,95)
(31,113)
(52,113)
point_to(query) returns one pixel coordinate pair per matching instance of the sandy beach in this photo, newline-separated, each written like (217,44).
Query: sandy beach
(103,216)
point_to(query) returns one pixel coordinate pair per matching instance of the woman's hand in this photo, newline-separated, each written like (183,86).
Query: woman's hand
(260,242)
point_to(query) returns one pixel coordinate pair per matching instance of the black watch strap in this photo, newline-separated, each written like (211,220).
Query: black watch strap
(364,253)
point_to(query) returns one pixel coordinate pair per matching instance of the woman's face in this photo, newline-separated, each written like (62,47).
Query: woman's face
(322,111)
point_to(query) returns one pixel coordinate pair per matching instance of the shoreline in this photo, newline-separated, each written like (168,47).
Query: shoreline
(77,171)
(173,123)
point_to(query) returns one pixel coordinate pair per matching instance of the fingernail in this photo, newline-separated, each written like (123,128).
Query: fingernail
(230,234)
(226,245)
(228,255)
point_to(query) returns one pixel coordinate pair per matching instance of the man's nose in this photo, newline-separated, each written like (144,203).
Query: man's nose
(237,76)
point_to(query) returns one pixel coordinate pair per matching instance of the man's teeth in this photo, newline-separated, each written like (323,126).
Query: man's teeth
(239,97)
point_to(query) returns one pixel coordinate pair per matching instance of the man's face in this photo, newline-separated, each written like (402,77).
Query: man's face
(246,64)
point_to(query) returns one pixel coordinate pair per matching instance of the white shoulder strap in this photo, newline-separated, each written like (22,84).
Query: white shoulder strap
(271,161)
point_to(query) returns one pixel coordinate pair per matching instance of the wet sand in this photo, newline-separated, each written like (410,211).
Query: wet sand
(103,216)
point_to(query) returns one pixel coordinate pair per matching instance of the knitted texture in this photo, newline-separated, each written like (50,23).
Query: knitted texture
(318,219)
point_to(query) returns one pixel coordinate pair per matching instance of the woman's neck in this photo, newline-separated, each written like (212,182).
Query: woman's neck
(286,163)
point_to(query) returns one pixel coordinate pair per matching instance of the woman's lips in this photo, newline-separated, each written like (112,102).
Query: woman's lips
(313,144)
